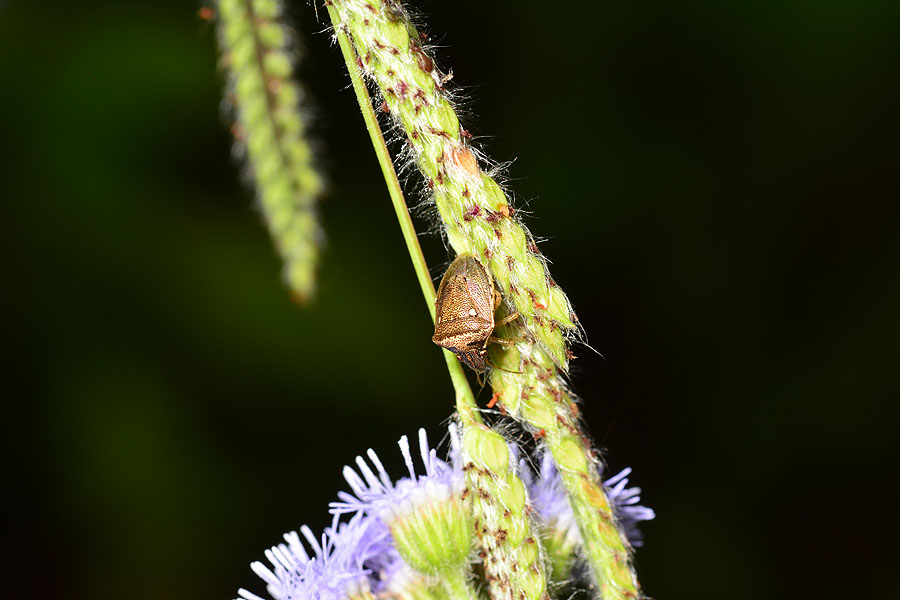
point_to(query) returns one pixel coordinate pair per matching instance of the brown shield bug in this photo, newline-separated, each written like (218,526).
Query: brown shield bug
(464,311)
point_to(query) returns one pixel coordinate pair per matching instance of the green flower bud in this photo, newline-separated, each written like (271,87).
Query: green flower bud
(433,534)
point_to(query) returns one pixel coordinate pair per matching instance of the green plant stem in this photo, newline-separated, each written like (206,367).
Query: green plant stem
(512,554)
(457,587)
(465,400)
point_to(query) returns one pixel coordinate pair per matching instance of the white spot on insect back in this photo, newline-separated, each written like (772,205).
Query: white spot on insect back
(472,312)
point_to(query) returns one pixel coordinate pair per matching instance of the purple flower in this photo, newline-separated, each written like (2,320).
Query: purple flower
(625,504)
(337,565)
(548,495)
(425,513)
(374,494)
(401,534)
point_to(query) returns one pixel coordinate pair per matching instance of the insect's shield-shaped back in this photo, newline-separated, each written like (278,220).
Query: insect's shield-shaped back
(465,286)
(464,310)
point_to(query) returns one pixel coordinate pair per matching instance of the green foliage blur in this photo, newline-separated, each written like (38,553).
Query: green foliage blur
(717,187)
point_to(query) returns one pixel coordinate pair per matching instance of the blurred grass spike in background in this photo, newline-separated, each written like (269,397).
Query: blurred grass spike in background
(270,133)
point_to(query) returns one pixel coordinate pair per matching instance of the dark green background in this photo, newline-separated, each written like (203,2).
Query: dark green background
(717,184)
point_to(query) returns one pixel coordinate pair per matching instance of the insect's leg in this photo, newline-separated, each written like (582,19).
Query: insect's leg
(507,319)
(501,341)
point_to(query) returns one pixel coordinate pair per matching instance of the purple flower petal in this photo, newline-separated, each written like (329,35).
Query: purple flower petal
(548,494)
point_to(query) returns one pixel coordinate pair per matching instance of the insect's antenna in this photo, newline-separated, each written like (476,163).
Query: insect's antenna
(482,381)
(493,366)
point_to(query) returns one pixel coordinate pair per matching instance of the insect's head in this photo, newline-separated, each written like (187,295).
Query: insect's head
(476,359)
